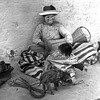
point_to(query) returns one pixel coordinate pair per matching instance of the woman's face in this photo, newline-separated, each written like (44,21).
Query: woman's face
(49,19)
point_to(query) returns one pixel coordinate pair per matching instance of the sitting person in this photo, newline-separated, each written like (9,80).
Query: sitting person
(49,30)
(63,59)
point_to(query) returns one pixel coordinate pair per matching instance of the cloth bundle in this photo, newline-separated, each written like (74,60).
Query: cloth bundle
(84,52)
(31,63)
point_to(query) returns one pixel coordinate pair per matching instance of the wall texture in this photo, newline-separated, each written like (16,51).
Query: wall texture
(75,13)
(18,19)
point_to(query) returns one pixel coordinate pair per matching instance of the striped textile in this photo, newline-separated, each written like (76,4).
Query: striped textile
(31,63)
(58,64)
(34,71)
(28,56)
(31,70)
(83,50)
(59,61)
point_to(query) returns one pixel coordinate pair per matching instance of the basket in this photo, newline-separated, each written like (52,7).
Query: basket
(81,34)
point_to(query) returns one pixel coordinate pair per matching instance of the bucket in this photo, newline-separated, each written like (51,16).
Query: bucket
(81,34)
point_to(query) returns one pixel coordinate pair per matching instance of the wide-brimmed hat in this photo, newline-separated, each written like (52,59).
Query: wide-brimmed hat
(47,10)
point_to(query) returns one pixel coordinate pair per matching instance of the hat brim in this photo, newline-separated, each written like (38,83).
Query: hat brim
(54,12)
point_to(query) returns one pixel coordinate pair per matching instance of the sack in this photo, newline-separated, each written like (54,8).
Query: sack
(5,72)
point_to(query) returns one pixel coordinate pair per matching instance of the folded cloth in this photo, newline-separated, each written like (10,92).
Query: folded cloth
(31,63)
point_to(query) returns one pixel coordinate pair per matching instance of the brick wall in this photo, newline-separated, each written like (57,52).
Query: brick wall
(18,19)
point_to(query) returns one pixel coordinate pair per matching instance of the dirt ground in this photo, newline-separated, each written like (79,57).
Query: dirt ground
(88,90)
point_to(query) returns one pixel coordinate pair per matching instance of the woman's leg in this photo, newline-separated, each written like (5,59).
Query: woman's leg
(37,48)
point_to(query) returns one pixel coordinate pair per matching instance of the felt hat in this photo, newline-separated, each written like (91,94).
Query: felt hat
(49,10)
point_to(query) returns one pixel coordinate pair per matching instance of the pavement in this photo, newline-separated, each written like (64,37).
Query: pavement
(89,89)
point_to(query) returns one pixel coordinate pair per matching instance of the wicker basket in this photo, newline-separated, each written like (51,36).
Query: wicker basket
(81,34)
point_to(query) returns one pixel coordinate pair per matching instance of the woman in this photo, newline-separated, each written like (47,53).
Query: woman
(50,29)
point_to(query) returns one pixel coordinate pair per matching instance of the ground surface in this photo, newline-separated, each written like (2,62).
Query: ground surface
(89,90)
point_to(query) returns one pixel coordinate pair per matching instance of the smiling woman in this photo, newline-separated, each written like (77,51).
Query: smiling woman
(49,19)
(50,29)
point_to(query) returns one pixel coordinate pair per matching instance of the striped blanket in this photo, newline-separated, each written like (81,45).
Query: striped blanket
(31,63)
(83,50)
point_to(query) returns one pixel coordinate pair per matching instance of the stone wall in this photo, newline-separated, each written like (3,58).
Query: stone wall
(18,19)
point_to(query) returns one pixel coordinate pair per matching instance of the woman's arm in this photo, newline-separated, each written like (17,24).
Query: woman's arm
(37,35)
(64,32)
